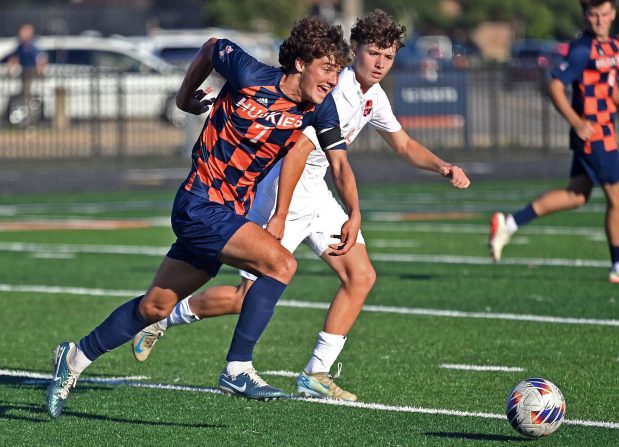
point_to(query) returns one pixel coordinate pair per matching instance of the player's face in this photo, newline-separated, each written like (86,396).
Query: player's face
(372,64)
(318,78)
(599,19)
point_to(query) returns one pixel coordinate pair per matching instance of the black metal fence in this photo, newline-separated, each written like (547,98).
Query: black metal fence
(100,114)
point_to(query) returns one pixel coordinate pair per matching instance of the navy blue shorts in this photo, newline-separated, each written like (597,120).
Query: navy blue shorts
(202,229)
(600,166)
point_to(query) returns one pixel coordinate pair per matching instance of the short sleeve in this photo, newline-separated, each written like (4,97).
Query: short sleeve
(572,68)
(327,126)
(383,118)
(234,64)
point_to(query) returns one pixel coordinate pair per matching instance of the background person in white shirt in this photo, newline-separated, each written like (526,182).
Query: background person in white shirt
(314,215)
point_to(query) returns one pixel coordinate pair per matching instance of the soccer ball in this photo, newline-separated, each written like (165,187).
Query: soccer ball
(535,408)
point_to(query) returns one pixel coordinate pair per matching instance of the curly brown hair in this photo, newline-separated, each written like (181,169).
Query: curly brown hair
(378,28)
(312,38)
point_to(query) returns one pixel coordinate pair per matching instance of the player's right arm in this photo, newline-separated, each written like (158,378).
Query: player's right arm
(583,127)
(566,73)
(188,97)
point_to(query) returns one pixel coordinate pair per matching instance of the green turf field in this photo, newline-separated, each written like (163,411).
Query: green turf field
(440,312)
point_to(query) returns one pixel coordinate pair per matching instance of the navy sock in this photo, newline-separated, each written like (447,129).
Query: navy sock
(525,215)
(258,308)
(118,328)
(614,253)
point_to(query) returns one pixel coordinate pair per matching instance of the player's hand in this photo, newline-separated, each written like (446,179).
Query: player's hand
(457,176)
(348,238)
(584,129)
(276,226)
(197,105)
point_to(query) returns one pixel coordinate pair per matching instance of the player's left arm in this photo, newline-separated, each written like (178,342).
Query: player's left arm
(346,187)
(420,156)
(289,175)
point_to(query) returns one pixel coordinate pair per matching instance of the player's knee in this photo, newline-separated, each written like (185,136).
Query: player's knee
(284,267)
(580,199)
(363,279)
(156,305)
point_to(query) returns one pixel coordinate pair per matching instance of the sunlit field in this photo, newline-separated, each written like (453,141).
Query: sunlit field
(443,338)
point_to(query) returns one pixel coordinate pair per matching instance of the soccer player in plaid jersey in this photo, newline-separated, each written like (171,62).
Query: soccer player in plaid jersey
(314,214)
(257,117)
(591,68)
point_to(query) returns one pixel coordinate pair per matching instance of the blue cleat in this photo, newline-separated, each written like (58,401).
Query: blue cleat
(64,379)
(249,385)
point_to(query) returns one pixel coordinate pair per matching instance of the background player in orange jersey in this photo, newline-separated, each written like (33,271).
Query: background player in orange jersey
(257,117)
(591,69)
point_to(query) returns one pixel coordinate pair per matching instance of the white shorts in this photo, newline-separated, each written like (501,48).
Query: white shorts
(313,227)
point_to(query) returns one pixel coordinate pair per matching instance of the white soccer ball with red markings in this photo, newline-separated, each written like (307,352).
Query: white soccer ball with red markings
(535,408)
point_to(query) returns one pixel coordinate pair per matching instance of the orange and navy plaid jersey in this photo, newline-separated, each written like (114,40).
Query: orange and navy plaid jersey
(591,68)
(251,126)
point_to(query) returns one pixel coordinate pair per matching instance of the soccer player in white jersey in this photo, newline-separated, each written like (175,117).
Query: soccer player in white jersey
(314,215)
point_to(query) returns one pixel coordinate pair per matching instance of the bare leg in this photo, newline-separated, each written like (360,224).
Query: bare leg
(575,195)
(612,213)
(357,277)
(219,300)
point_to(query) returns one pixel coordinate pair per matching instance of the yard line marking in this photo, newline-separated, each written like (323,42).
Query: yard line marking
(478,229)
(35,375)
(321,305)
(383,257)
(281,373)
(366,405)
(481,368)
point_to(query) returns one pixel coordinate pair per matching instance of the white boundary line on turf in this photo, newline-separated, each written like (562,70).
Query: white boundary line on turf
(481,368)
(383,257)
(370,406)
(35,375)
(318,305)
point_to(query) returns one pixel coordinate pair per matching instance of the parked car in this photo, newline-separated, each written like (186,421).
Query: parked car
(97,77)
(532,60)
(178,47)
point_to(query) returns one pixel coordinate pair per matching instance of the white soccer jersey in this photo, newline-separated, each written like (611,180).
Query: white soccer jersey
(355,110)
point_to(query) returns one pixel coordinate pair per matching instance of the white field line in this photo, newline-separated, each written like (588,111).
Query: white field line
(453,228)
(383,257)
(35,375)
(280,373)
(366,405)
(481,368)
(318,305)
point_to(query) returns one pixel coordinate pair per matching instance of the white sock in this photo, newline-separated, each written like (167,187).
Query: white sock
(326,352)
(236,368)
(615,267)
(512,226)
(181,314)
(78,362)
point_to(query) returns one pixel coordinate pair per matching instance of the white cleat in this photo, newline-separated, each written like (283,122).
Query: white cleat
(144,341)
(499,236)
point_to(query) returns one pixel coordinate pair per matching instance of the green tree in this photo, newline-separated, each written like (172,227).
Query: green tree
(559,19)
(256,15)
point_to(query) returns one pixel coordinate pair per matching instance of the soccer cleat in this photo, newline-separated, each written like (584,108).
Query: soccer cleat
(250,385)
(322,385)
(613,277)
(499,236)
(144,341)
(64,379)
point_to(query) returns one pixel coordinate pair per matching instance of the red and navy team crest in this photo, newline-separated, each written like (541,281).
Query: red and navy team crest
(367,109)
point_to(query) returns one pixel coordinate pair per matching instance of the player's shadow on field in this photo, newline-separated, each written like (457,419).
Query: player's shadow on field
(29,412)
(478,437)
